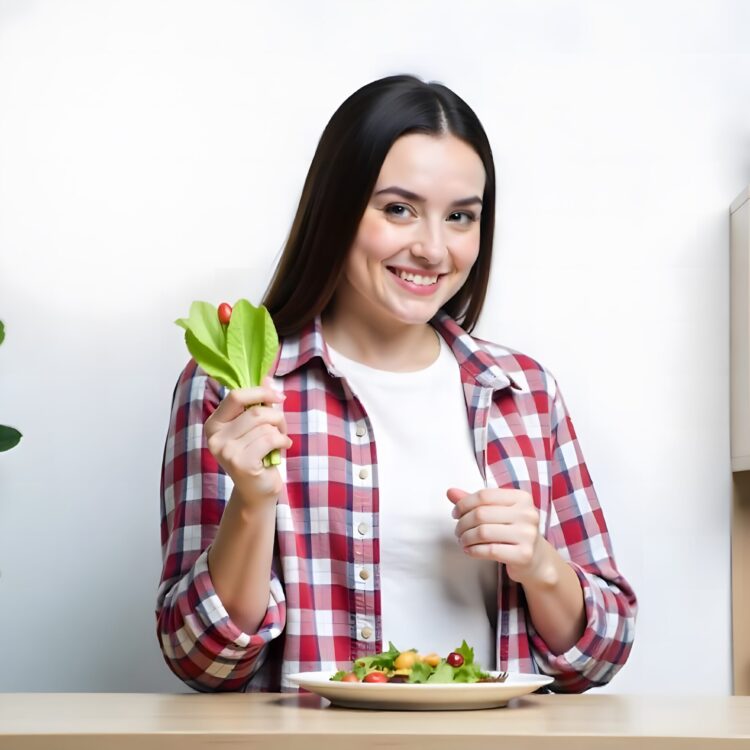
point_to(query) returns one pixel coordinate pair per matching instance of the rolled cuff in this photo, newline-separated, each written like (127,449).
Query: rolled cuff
(206,648)
(604,646)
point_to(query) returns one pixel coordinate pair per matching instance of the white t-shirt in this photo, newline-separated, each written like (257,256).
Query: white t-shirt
(433,595)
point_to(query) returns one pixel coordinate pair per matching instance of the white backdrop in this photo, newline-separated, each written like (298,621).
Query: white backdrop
(152,153)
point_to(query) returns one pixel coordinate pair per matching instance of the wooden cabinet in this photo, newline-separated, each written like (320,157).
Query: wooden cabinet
(740,330)
(740,439)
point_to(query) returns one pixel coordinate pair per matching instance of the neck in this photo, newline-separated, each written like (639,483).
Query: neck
(398,347)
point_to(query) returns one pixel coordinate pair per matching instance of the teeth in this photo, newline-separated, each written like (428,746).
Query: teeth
(416,279)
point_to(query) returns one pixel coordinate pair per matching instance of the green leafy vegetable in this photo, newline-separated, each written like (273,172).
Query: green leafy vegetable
(467,652)
(382,661)
(443,673)
(252,342)
(420,671)
(238,355)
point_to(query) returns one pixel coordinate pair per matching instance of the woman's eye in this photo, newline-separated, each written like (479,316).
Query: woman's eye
(469,217)
(396,209)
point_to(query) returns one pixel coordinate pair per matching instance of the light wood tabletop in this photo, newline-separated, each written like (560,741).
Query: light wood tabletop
(42,721)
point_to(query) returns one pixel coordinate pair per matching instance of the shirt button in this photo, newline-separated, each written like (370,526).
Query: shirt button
(366,633)
(363,473)
(363,574)
(361,431)
(363,528)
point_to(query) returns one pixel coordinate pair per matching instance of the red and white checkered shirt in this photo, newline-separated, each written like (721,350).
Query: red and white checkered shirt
(321,615)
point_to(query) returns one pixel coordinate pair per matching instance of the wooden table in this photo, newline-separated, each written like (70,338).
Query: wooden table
(231,720)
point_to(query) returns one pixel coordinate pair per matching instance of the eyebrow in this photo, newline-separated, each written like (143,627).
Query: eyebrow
(414,197)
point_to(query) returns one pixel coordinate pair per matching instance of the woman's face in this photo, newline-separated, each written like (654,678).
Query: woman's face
(419,235)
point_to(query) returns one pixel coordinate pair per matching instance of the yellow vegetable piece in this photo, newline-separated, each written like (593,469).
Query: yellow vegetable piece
(432,660)
(405,660)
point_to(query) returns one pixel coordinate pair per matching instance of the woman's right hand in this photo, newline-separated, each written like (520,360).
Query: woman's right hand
(239,437)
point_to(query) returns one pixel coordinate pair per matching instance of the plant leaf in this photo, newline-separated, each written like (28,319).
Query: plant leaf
(467,652)
(420,672)
(271,345)
(2,332)
(9,437)
(252,342)
(443,673)
(215,364)
(206,341)
(204,324)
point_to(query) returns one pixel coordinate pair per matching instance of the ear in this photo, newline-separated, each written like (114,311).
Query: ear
(454,494)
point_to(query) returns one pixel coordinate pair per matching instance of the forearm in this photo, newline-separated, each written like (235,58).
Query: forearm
(555,601)
(240,559)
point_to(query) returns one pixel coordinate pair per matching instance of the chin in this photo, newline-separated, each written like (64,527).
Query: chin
(415,319)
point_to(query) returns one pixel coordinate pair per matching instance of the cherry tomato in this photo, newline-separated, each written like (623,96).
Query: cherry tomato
(454,659)
(375,677)
(225,312)
(350,677)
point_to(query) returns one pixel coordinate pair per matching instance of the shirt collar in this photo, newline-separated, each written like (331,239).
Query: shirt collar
(298,349)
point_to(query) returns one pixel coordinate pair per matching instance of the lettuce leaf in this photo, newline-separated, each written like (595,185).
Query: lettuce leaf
(238,355)
(383,661)
(467,652)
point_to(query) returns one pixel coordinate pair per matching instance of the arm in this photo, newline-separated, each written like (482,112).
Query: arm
(202,644)
(578,533)
(555,600)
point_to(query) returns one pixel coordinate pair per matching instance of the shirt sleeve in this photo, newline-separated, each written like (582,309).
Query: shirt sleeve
(579,533)
(199,641)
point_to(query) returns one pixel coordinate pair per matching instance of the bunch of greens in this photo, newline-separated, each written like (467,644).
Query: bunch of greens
(237,354)
(9,436)
(420,671)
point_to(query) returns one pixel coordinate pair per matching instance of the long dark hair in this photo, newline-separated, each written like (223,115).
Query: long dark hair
(339,184)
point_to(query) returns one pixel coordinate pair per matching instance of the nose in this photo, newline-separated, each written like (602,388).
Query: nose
(430,243)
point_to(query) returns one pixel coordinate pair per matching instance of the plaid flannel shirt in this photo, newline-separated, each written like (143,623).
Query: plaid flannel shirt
(321,615)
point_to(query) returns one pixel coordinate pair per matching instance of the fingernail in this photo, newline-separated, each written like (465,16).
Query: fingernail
(454,512)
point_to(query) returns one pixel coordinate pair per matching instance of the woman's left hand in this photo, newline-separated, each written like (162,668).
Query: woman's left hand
(501,525)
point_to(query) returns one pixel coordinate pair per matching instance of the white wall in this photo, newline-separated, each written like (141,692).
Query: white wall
(152,153)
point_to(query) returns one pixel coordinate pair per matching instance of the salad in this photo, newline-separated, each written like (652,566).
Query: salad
(412,667)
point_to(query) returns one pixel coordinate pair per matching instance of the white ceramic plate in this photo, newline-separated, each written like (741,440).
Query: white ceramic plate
(405,697)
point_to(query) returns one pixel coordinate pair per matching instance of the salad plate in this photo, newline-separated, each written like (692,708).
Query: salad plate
(420,697)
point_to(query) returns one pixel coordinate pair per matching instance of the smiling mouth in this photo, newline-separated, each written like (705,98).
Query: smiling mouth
(417,279)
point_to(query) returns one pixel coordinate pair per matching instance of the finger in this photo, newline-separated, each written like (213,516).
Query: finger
(507,554)
(220,437)
(246,454)
(237,400)
(252,417)
(490,533)
(454,494)
(487,496)
(487,514)
(259,444)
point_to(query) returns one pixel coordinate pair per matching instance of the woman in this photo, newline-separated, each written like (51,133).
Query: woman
(432,488)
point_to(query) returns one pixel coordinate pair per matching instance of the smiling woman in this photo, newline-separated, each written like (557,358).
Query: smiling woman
(431,486)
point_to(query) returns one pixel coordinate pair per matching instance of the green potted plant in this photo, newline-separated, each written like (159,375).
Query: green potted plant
(9,436)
